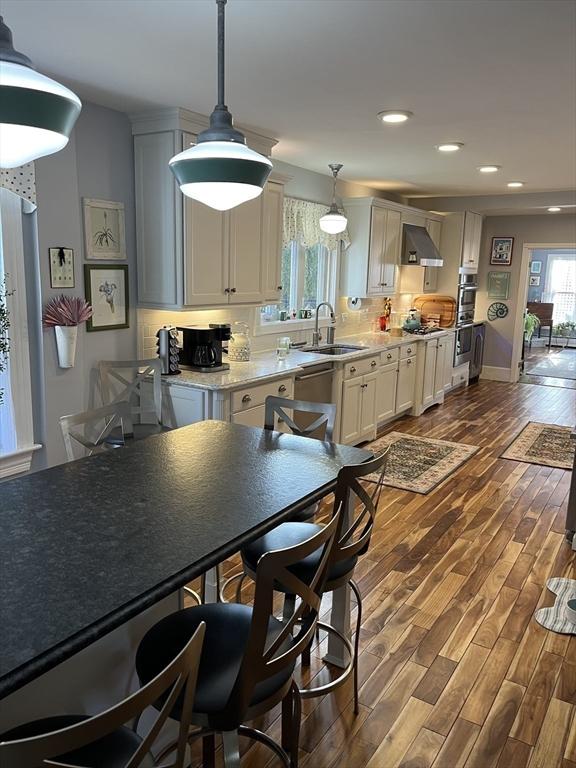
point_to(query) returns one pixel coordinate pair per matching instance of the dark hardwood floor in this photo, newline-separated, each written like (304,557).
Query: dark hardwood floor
(455,671)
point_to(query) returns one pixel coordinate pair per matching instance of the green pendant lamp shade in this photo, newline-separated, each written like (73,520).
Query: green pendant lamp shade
(37,114)
(220,170)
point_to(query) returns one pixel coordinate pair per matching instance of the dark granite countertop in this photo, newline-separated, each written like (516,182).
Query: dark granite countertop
(88,545)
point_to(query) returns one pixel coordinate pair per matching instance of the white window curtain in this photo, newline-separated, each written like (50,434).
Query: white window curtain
(16,429)
(561,286)
(302,225)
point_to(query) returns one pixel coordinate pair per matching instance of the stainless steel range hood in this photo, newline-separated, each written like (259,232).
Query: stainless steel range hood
(419,249)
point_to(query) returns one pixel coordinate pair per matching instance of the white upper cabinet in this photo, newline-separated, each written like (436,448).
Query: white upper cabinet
(370,263)
(471,240)
(190,255)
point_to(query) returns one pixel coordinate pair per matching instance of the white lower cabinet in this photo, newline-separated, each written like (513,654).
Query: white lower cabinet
(440,368)
(449,342)
(430,355)
(386,392)
(351,415)
(358,416)
(406,384)
(183,405)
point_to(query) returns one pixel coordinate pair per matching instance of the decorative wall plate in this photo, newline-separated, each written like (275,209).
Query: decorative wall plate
(497,310)
(61,267)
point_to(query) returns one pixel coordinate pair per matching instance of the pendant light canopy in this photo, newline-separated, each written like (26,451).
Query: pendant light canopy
(220,170)
(334,220)
(37,114)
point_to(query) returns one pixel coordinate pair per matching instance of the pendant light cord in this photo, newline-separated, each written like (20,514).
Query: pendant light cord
(221,52)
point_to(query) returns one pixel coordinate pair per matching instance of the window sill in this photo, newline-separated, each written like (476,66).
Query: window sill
(17,462)
(277,326)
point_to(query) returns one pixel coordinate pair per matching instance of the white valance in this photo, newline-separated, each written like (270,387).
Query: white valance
(21,181)
(302,223)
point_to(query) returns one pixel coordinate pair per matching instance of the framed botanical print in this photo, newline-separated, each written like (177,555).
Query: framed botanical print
(106,288)
(501,253)
(61,267)
(535,280)
(104,230)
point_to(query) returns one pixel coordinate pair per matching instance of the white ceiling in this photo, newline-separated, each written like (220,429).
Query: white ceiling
(499,75)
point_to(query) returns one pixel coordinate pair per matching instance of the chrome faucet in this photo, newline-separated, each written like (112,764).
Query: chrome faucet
(317,336)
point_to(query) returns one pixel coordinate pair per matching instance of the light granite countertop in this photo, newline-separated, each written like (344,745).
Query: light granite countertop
(265,365)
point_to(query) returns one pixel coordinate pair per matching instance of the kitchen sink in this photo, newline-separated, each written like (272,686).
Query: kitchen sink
(332,349)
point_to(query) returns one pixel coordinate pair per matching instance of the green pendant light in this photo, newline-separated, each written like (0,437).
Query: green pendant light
(37,114)
(220,170)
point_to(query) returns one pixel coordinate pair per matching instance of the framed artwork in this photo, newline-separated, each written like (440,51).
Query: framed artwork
(104,230)
(501,253)
(534,279)
(536,267)
(498,285)
(106,288)
(61,267)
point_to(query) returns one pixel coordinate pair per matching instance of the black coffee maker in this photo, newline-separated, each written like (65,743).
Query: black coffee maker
(202,347)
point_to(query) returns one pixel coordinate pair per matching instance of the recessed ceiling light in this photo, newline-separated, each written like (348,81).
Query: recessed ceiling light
(489,168)
(451,146)
(554,209)
(515,184)
(395,115)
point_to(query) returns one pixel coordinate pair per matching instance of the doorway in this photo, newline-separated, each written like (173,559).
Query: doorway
(549,343)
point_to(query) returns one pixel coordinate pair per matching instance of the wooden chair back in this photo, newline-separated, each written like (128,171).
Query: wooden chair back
(127,380)
(266,657)
(178,678)
(353,539)
(91,429)
(323,425)
(543,310)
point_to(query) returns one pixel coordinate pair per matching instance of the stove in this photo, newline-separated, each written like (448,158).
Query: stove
(424,331)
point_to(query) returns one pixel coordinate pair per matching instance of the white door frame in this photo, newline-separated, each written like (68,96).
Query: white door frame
(522,299)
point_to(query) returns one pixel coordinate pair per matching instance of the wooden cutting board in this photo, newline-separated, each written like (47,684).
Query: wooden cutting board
(434,305)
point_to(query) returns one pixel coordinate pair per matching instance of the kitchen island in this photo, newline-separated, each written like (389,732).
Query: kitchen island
(88,547)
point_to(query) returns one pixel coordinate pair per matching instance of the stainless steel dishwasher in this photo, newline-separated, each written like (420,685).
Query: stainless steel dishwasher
(315,386)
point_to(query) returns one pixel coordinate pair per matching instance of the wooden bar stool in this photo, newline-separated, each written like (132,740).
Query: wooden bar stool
(248,656)
(94,431)
(352,541)
(137,382)
(104,741)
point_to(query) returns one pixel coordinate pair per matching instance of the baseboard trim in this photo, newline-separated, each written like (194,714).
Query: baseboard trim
(493,373)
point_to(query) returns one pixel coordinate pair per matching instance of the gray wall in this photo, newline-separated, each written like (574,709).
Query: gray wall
(546,229)
(98,162)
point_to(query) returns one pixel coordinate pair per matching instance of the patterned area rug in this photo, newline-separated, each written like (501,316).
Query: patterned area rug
(419,464)
(544,444)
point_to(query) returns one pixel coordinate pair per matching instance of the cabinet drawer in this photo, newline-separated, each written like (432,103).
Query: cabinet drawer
(389,367)
(250,397)
(361,367)
(408,350)
(390,356)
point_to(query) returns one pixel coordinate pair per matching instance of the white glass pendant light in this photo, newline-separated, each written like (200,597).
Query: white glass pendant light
(220,170)
(37,114)
(333,222)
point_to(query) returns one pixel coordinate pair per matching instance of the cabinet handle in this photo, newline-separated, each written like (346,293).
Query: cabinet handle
(226,290)
(246,399)
(409,362)
(232,290)
(352,370)
(278,287)
(282,388)
(389,356)
(373,363)
(409,350)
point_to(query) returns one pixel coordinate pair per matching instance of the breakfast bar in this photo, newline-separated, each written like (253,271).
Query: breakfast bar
(90,545)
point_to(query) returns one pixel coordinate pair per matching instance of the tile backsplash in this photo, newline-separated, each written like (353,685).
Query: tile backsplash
(348,323)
